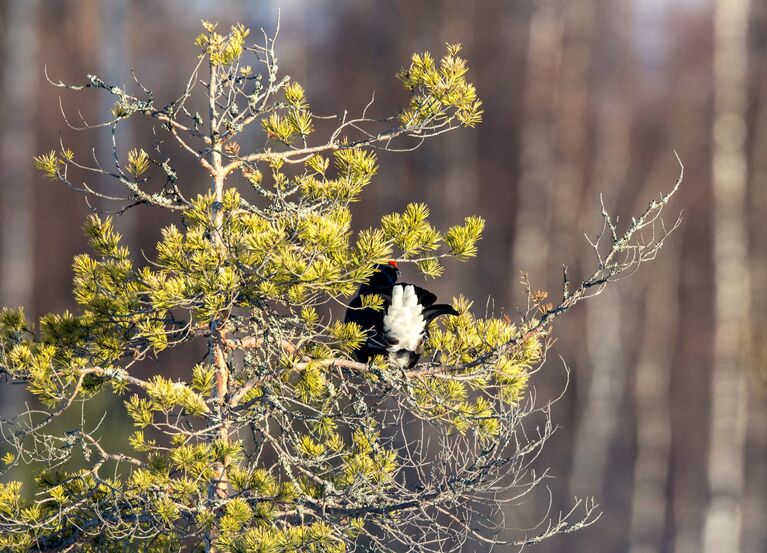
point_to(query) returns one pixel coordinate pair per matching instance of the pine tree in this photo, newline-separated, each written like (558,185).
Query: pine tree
(279,440)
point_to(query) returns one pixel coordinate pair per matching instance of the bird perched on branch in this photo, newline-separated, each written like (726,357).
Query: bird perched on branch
(401,328)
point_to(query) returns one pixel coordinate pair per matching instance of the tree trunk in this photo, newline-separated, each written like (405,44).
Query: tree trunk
(530,246)
(605,364)
(571,125)
(651,392)
(114,61)
(18,145)
(20,75)
(728,385)
(459,183)
(601,377)
(755,498)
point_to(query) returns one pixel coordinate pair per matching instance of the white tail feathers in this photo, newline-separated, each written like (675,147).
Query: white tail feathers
(403,321)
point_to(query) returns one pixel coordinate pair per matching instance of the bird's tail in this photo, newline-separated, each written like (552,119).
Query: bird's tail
(434,311)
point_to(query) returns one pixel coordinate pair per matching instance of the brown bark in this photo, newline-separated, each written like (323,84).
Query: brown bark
(20,72)
(571,125)
(530,246)
(605,363)
(755,498)
(115,63)
(459,191)
(18,144)
(728,386)
(652,395)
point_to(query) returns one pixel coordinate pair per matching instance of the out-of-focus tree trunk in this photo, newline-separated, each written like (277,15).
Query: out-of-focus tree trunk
(689,127)
(755,497)
(530,246)
(459,188)
(655,381)
(115,62)
(571,124)
(544,51)
(605,364)
(20,75)
(600,381)
(652,395)
(728,386)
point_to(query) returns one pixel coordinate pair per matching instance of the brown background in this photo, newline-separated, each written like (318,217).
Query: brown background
(582,97)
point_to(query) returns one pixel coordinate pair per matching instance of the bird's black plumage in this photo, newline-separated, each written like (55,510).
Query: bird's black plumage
(401,328)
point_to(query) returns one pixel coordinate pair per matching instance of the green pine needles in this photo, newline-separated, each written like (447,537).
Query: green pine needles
(278,441)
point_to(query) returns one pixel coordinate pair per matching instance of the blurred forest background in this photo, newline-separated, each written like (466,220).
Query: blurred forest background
(664,420)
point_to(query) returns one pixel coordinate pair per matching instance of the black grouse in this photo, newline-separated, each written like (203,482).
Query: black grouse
(401,328)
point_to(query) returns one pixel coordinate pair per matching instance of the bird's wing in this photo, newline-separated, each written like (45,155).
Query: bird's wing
(434,311)
(425,297)
(380,341)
